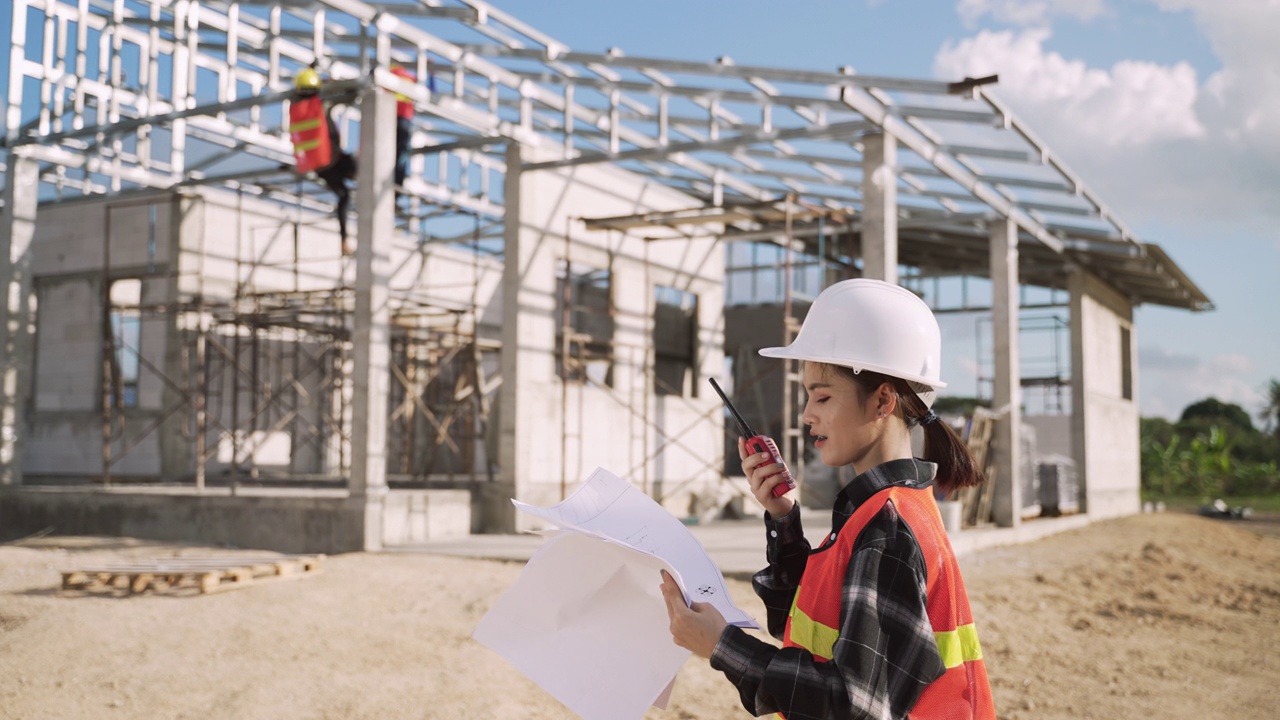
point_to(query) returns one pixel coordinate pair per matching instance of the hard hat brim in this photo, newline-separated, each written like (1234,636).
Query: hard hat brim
(791,353)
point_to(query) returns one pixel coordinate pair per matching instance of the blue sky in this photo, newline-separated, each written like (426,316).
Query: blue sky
(1168,108)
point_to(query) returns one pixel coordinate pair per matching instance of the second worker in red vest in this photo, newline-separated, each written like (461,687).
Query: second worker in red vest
(404,125)
(875,621)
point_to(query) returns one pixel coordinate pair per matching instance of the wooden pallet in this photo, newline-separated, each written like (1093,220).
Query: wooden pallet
(977,501)
(201,575)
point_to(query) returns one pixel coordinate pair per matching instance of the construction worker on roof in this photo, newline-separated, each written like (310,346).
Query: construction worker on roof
(404,124)
(317,146)
(875,622)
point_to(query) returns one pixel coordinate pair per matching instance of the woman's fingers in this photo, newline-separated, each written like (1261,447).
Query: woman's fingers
(763,475)
(751,462)
(671,594)
(763,470)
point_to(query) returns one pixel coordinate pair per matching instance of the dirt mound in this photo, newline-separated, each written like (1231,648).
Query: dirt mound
(1149,616)
(1170,616)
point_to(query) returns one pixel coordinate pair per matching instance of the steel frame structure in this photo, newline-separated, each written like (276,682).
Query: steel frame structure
(211,77)
(116,96)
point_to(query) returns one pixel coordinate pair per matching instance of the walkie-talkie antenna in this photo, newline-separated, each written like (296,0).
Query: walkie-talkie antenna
(743,427)
(759,444)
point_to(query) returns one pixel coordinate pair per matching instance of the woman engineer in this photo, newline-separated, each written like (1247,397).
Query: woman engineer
(875,621)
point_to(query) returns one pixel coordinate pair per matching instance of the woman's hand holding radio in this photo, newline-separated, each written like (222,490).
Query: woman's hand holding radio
(764,475)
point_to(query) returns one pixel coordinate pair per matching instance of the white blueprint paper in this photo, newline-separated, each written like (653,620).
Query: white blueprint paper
(609,506)
(586,621)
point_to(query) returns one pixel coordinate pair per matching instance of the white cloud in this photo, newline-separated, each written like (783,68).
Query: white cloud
(1132,103)
(1167,146)
(1243,98)
(1169,381)
(1184,157)
(1028,12)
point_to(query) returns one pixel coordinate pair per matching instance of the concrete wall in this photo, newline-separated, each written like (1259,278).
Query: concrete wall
(411,517)
(79,248)
(1053,434)
(294,523)
(230,239)
(553,434)
(208,243)
(1104,422)
(284,524)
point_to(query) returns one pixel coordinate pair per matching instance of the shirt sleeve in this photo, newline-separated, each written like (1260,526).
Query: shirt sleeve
(885,655)
(788,552)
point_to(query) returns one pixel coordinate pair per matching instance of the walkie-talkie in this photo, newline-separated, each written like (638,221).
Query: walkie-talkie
(758,443)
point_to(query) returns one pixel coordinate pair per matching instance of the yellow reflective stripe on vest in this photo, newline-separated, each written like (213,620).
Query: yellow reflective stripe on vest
(306,146)
(959,646)
(812,635)
(304,125)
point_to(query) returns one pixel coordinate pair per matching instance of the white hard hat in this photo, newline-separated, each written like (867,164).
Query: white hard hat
(870,325)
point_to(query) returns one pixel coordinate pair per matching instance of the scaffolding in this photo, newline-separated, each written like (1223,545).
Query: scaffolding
(262,375)
(1046,377)
(445,377)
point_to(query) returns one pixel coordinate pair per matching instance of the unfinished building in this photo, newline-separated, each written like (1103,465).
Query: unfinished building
(583,239)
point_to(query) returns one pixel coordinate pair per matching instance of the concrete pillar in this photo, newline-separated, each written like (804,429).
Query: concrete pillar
(371,335)
(880,207)
(497,513)
(1007,391)
(1076,286)
(177,459)
(17,229)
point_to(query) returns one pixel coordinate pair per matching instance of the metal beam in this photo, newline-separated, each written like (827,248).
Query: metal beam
(1048,158)
(755,138)
(872,109)
(744,72)
(987,152)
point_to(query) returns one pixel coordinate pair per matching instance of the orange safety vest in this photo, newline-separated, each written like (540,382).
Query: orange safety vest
(963,692)
(309,128)
(404,103)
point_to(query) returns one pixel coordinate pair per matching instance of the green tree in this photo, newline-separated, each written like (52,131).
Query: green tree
(1209,462)
(1212,411)
(1213,450)
(957,405)
(1161,456)
(1270,413)
(1156,430)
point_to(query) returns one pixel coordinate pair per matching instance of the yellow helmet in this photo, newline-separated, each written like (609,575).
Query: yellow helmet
(308,79)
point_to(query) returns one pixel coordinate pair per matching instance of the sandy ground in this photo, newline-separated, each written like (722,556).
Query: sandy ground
(1169,616)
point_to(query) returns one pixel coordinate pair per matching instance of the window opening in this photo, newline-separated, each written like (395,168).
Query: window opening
(1126,363)
(126,336)
(675,339)
(584,335)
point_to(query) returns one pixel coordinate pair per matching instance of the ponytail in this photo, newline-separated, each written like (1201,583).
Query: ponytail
(956,466)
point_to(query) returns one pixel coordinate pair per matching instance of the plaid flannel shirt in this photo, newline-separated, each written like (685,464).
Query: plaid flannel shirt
(886,653)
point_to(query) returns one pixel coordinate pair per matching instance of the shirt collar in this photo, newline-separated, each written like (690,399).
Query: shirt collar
(907,472)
